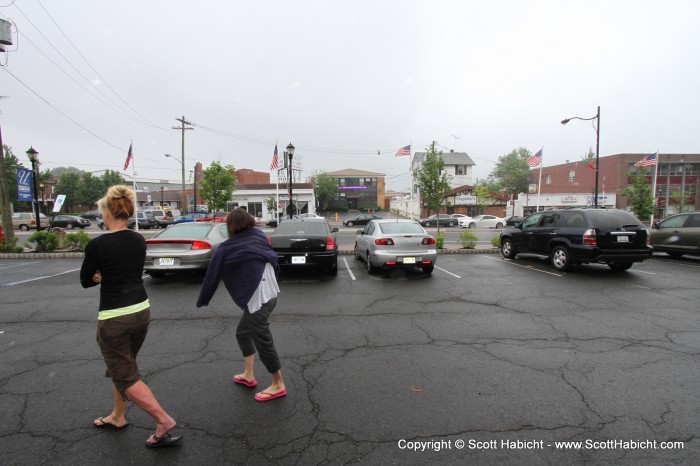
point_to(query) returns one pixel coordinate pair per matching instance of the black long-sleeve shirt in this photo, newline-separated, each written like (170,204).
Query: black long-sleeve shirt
(119,256)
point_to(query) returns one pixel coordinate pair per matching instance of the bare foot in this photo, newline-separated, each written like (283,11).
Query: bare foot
(270,391)
(162,429)
(110,421)
(246,377)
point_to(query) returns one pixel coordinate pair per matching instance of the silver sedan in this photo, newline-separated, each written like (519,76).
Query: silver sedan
(386,244)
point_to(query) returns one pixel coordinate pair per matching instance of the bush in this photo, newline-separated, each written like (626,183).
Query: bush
(76,241)
(468,240)
(496,242)
(440,241)
(10,247)
(43,241)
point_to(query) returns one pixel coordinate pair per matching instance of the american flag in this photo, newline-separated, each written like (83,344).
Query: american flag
(128,157)
(648,161)
(406,150)
(535,160)
(275,161)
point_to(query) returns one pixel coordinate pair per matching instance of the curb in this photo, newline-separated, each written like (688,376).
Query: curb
(80,255)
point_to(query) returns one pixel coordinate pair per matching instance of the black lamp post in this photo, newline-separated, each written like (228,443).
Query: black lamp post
(289,154)
(596,126)
(34,158)
(161,196)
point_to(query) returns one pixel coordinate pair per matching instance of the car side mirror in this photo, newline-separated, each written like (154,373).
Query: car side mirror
(655,226)
(360,232)
(334,229)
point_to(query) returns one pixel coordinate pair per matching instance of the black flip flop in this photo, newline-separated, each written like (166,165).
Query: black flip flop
(165,441)
(108,424)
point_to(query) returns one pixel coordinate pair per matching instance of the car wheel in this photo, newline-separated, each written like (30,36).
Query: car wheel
(426,224)
(499,225)
(24,227)
(69,226)
(472,225)
(620,266)
(560,258)
(350,224)
(334,268)
(507,249)
(450,224)
(370,268)
(357,253)
(428,269)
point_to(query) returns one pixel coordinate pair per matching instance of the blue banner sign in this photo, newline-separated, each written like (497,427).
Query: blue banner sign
(24,185)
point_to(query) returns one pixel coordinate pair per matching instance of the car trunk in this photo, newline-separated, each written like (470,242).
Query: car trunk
(404,244)
(618,231)
(295,244)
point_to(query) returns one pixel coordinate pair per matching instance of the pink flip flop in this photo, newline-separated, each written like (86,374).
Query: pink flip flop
(245,382)
(270,396)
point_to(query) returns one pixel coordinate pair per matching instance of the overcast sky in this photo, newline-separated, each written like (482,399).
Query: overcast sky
(347,82)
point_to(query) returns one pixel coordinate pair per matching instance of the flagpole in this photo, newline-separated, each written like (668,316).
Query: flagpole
(133,182)
(539,181)
(653,188)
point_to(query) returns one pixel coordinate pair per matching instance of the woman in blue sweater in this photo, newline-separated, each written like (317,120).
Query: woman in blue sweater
(248,266)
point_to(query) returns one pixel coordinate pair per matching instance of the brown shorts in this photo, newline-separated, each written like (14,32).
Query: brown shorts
(120,340)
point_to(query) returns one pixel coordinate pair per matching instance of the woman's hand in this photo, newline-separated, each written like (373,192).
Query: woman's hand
(97,277)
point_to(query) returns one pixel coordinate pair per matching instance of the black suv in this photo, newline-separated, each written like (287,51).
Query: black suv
(580,236)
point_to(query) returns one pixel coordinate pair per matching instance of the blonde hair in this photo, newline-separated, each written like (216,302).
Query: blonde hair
(119,201)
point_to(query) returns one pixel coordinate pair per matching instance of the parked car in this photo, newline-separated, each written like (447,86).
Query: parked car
(307,215)
(69,222)
(482,221)
(677,235)
(387,244)
(183,247)
(580,236)
(213,217)
(306,242)
(511,220)
(444,219)
(162,217)
(191,217)
(458,216)
(91,214)
(146,222)
(27,221)
(363,219)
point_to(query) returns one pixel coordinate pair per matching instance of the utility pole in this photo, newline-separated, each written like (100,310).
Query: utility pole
(183,128)
(7,227)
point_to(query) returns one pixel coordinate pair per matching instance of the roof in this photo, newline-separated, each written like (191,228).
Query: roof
(353,172)
(450,158)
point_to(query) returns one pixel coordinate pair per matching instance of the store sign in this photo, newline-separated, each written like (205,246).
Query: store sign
(465,200)
(566,199)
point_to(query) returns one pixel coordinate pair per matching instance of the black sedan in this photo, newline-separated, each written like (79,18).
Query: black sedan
(70,221)
(363,219)
(445,220)
(304,243)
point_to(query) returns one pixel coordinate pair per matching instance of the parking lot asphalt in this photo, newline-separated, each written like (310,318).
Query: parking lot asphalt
(487,361)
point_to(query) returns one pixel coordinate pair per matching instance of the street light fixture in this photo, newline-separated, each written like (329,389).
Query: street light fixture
(34,158)
(289,154)
(596,126)
(183,200)
(161,196)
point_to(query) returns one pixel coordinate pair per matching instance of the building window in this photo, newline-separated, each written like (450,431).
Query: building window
(572,175)
(547,179)
(460,169)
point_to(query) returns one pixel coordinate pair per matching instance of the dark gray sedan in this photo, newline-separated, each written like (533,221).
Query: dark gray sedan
(677,235)
(183,247)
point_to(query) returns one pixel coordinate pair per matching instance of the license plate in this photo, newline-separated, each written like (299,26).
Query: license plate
(409,260)
(623,239)
(166,261)
(298,260)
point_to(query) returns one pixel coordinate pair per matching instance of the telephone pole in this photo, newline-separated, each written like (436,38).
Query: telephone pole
(183,128)
(7,227)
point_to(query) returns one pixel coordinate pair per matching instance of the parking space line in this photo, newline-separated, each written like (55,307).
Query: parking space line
(447,272)
(20,265)
(676,263)
(643,271)
(41,278)
(529,267)
(347,266)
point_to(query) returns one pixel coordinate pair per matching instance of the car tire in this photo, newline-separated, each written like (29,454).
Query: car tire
(24,227)
(69,226)
(499,225)
(357,253)
(675,254)
(560,258)
(450,224)
(507,249)
(368,263)
(350,224)
(428,269)
(620,266)
(333,270)
(426,224)
(472,225)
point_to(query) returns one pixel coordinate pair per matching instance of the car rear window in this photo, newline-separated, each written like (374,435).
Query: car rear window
(401,227)
(300,228)
(187,230)
(612,218)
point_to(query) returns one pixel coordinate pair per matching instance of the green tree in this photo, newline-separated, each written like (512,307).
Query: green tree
(639,193)
(68,184)
(512,172)
(680,200)
(484,196)
(90,190)
(11,166)
(325,188)
(8,185)
(432,181)
(111,178)
(217,184)
(270,204)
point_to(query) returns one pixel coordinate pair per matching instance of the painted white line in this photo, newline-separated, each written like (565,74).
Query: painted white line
(20,265)
(41,278)
(347,266)
(642,271)
(529,267)
(447,272)
(676,263)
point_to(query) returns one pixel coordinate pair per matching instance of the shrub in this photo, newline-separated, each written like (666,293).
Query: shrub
(467,239)
(440,241)
(43,241)
(76,241)
(496,242)
(11,246)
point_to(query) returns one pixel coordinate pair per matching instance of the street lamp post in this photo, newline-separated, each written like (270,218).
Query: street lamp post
(289,154)
(183,197)
(34,158)
(161,196)
(596,126)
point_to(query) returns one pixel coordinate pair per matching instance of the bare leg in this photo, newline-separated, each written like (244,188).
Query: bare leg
(142,396)
(276,387)
(118,416)
(248,374)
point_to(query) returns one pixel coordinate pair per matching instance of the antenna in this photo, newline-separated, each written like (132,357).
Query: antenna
(455,143)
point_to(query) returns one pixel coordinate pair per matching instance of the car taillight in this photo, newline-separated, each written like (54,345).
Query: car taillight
(330,244)
(269,240)
(384,242)
(200,245)
(427,241)
(589,238)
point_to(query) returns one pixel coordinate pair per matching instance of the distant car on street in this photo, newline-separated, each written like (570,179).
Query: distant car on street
(363,219)
(69,222)
(482,221)
(91,214)
(677,235)
(190,217)
(444,219)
